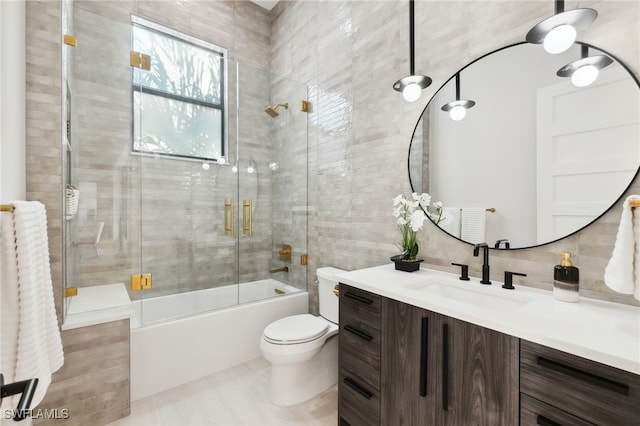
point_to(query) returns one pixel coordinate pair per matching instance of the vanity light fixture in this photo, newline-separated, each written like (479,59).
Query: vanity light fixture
(412,85)
(458,109)
(251,168)
(585,70)
(558,32)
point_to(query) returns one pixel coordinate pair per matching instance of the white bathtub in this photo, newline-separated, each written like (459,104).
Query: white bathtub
(174,346)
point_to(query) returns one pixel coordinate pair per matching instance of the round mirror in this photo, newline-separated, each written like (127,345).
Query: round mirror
(534,158)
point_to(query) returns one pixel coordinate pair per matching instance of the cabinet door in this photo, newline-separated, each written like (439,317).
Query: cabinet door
(408,363)
(478,377)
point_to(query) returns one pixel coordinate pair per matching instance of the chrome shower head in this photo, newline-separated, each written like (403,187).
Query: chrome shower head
(271,110)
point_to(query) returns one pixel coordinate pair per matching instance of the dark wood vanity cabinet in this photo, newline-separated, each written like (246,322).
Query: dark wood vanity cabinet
(359,357)
(437,370)
(558,388)
(403,365)
(479,376)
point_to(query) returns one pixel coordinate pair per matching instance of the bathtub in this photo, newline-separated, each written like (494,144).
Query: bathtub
(171,346)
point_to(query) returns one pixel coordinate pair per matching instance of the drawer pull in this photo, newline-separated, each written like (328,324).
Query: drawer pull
(424,356)
(543,421)
(445,367)
(358,298)
(358,333)
(584,376)
(356,387)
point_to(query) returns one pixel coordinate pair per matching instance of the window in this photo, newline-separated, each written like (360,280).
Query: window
(179,104)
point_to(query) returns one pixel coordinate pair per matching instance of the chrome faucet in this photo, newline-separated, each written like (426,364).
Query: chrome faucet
(283,269)
(485,263)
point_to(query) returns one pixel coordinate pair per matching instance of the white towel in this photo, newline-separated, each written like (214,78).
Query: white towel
(473,220)
(38,352)
(8,301)
(451,220)
(622,273)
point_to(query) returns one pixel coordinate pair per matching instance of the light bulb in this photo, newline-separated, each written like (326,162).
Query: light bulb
(411,92)
(559,39)
(205,166)
(457,113)
(273,166)
(234,169)
(221,160)
(250,169)
(584,76)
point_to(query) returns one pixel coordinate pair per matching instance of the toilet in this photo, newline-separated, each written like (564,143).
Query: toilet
(303,349)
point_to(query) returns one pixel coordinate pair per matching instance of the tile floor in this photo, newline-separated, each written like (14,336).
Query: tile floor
(233,397)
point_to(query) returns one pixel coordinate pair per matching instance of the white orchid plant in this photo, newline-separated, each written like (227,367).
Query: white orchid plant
(410,213)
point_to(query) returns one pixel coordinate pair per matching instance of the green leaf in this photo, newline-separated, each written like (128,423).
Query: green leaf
(414,251)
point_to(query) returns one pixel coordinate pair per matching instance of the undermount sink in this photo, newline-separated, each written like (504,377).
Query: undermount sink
(464,293)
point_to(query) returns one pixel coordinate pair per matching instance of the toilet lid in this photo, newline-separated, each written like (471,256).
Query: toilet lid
(296,329)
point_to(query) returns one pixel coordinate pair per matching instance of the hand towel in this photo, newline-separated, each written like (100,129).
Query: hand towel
(39,346)
(8,301)
(623,270)
(473,221)
(451,220)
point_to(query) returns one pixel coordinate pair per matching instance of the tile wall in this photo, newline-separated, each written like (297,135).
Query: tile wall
(352,52)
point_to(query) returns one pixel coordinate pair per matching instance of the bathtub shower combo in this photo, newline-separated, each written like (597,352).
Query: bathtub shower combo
(195,199)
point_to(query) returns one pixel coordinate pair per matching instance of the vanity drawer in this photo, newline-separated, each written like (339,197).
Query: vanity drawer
(368,374)
(360,350)
(360,305)
(537,413)
(359,405)
(595,392)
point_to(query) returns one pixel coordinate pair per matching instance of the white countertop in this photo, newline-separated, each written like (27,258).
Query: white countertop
(97,305)
(601,331)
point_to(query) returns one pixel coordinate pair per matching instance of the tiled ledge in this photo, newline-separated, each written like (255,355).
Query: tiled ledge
(97,305)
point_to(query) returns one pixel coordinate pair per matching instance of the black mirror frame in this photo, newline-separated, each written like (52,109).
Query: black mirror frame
(590,46)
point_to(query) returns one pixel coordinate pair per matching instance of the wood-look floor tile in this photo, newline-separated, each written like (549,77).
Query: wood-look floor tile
(233,397)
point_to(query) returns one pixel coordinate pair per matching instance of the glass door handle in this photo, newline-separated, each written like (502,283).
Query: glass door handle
(229,216)
(247,217)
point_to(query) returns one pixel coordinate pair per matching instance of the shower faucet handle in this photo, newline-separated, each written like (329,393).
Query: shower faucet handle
(285,253)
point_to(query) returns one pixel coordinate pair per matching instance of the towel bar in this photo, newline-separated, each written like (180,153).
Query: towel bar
(6,208)
(635,202)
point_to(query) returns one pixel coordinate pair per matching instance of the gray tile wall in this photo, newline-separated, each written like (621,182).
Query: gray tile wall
(352,52)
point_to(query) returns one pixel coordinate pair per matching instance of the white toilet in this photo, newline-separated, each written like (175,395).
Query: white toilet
(303,349)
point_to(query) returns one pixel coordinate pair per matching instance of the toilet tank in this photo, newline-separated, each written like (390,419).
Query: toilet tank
(327,300)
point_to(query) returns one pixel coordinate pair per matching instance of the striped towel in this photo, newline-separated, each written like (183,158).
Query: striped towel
(38,352)
(473,221)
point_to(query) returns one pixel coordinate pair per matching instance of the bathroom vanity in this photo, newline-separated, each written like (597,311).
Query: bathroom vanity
(427,349)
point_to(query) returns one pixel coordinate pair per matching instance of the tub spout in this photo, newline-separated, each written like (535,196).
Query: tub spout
(283,269)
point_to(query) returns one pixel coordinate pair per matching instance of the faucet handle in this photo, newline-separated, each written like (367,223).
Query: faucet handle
(503,240)
(464,273)
(508,279)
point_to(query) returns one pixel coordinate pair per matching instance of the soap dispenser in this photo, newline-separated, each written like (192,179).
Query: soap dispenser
(565,280)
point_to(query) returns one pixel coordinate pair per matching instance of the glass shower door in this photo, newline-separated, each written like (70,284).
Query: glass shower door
(272,174)
(189,190)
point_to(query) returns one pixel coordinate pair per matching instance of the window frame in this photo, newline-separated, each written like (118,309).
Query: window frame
(222,106)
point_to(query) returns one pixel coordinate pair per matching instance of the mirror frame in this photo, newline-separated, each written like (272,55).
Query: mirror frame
(590,46)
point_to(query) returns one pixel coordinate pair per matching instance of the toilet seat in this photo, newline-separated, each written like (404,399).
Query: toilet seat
(296,329)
